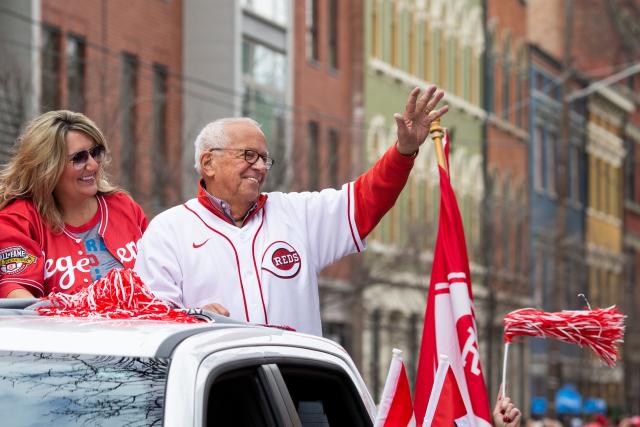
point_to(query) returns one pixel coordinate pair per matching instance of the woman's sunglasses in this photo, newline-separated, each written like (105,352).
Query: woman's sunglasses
(81,158)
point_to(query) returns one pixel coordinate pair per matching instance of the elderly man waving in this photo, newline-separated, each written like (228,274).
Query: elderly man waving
(256,256)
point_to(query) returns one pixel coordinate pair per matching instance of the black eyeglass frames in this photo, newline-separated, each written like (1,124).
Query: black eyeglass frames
(81,158)
(250,156)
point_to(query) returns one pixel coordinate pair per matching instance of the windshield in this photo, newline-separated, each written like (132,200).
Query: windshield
(45,389)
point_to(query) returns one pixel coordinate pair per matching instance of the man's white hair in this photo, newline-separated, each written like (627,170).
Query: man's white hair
(214,136)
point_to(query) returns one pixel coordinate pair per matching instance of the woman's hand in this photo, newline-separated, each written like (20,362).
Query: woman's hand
(505,412)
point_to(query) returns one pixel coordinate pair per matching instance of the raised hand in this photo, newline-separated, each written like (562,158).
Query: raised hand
(413,125)
(505,413)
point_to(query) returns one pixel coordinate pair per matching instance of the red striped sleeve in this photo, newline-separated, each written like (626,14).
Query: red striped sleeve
(377,190)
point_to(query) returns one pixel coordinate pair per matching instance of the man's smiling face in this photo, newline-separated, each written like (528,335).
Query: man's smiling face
(234,180)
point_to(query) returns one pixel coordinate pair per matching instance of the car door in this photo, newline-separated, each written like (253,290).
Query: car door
(264,388)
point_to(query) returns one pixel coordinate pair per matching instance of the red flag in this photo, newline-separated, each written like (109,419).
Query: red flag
(446,407)
(449,323)
(396,409)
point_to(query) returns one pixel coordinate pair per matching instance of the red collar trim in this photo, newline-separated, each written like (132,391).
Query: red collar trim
(206,202)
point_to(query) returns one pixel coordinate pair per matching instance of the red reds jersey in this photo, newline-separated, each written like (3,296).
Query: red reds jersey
(35,258)
(266,271)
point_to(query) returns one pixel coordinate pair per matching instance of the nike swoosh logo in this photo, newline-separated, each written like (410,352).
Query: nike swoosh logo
(196,246)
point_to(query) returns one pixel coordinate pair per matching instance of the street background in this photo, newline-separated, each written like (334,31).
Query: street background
(544,119)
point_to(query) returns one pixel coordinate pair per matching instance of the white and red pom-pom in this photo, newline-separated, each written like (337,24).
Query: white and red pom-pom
(600,329)
(118,295)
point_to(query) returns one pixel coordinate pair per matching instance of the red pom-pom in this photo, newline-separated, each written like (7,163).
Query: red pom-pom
(118,295)
(600,329)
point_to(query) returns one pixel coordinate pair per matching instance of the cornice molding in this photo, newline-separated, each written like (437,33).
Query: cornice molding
(409,80)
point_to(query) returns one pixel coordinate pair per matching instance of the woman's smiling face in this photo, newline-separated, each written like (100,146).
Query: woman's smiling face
(78,182)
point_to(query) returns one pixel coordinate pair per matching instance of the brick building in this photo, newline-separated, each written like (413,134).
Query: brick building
(327,138)
(120,63)
(506,139)
(601,118)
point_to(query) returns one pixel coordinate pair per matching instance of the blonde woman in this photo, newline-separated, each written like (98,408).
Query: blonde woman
(62,224)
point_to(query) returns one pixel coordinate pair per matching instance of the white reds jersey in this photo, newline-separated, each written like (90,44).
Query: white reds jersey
(266,271)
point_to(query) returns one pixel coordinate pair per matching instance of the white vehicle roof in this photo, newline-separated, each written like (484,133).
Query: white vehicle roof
(139,338)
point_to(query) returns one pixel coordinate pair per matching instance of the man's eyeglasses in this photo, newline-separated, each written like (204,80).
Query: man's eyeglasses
(81,158)
(251,156)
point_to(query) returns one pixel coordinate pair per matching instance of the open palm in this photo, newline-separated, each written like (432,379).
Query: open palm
(419,113)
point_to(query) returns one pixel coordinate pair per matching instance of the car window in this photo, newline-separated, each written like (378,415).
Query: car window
(45,389)
(324,397)
(238,398)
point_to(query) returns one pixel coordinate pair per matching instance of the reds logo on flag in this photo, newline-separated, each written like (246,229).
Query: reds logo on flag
(449,324)
(281,260)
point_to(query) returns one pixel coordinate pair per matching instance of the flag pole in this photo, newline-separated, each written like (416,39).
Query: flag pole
(504,369)
(436,134)
(436,389)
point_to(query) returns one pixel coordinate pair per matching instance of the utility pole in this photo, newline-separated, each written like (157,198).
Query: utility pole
(559,235)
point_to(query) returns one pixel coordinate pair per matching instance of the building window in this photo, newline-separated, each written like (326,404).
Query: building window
(601,183)
(466,65)
(395,29)
(264,78)
(507,213)
(609,189)
(629,171)
(263,66)
(574,172)
(413,346)
(506,83)
(519,234)
(272,10)
(375,353)
(413,54)
(474,78)
(333,34)
(75,72)
(519,107)
(312,30)
(159,125)
(442,61)
(452,64)
(435,56)
(426,51)
(593,182)
(128,111)
(313,155)
(490,77)
(550,167)
(334,158)
(50,90)
(538,158)
(375,29)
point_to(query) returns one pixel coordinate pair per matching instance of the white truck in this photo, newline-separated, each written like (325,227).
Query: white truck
(82,372)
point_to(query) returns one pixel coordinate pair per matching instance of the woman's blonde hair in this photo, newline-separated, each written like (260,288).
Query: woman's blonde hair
(39,161)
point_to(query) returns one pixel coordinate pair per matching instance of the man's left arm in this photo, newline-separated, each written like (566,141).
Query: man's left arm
(376,191)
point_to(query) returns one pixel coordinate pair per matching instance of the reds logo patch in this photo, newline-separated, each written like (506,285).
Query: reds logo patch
(15,259)
(281,260)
